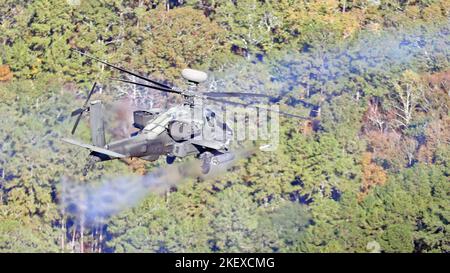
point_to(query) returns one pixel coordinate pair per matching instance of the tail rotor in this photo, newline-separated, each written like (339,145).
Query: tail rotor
(79,112)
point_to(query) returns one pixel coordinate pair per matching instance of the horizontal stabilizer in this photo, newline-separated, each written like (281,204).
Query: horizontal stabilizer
(207,143)
(94,148)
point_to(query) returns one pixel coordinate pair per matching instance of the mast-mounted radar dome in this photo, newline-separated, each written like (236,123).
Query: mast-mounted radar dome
(193,75)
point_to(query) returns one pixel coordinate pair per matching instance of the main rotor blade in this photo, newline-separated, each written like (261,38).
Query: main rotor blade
(76,123)
(235,94)
(121,69)
(85,107)
(149,86)
(257,107)
(227,102)
(90,94)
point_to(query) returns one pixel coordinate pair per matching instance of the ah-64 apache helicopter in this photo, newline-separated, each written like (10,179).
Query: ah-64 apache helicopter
(173,132)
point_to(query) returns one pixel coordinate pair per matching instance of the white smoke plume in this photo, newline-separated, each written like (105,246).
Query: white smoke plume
(91,204)
(332,69)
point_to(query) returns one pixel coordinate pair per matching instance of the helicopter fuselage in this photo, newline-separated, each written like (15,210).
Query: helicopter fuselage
(187,129)
(176,132)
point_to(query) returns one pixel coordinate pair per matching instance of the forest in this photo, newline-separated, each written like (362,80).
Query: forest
(369,173)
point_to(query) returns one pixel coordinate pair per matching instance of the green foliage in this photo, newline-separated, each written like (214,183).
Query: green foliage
(234,221)
(192,37)
(284,227)
(17,238)
(372,74)
(399,238)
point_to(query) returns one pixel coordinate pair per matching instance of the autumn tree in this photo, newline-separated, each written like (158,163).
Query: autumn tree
(5,73)
(372,175)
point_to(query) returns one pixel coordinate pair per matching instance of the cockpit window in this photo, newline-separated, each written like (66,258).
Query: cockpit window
(210,117)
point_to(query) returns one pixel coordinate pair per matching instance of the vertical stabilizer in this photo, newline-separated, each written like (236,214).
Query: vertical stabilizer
(97,124)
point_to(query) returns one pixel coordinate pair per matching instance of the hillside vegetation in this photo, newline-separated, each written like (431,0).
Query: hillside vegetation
(371,173)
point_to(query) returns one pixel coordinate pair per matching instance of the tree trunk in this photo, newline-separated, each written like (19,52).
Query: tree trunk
(82,237)
(63,234)
(73,239)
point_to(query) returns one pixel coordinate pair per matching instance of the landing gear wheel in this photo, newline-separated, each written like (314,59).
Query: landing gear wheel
(206,162)
(170,159)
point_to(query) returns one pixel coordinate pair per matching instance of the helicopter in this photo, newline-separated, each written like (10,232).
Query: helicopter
(188,129)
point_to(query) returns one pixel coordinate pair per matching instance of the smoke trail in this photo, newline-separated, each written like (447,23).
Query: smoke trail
(330,70)
(119,118)
(90,204)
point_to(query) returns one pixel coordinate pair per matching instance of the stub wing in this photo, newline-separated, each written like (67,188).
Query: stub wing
(94,148)
(216,145)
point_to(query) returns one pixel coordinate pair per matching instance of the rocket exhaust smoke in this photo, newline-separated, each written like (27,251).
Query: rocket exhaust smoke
(90,203)
(93,203)
(320,70)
